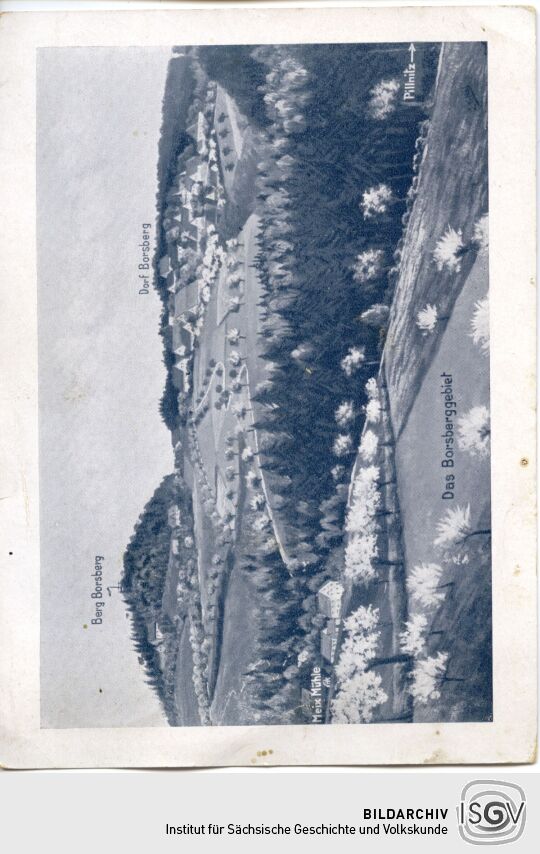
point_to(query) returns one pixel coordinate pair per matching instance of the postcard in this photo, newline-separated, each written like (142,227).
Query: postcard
(267,289)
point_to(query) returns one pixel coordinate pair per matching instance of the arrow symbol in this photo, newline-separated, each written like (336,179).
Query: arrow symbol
(412,51)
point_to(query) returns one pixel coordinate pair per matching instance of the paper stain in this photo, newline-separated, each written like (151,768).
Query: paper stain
(74,392)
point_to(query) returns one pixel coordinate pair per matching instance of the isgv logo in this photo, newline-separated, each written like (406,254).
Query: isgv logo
(491,812)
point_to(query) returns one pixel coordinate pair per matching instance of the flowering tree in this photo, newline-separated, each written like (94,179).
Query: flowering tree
(233,336)
(235,358)
(361,550)
(412,639)
(454,527)
(359,689)
(481,234)
(423,584)
(345,414)
(360,553)
(302,353)
(353,361)
(337,473)
(365,502)
(253,479)
(474,431)
(427,318)
(480,324)
(358,699)
(342,445)
(427,677)
(448,251)
(454,531)
(383,98)
(373,411)
(247,455)
(368,446)
(368,265)
(372,389)
(261,522)
(376,200)
(258,502)
(376,316)
(230,473)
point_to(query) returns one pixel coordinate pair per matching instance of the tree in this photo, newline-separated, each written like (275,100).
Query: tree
(412,639)
(235,358)
(343,445)
(474,431)
(359,688)
(427,318)
(337,473)
(233,336)
(376,316)
(423,584)
(368,265)
(427,677)
(360,552)
(383,98)
(302,353)
(258,502)
(357,701)
(253,478)
(454,530)
(480,324)
(369,446)
(365,502)
(345,413)
(454,527)
(354,360)
(372,389)
(448,251)
(247,455)
(481,234)
(261,522)
(376,200)
(373,411)
(240,410)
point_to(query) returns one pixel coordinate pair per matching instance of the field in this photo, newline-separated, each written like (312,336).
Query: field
(451,190)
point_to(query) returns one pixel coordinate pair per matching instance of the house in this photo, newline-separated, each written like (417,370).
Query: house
(182,342)
(164,266)
(186,299)
(329,599)
(329,639)
(181,375)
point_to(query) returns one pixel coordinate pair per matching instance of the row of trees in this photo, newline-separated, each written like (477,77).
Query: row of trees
(360,693)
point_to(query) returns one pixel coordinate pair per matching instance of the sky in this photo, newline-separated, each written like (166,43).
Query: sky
(103,446)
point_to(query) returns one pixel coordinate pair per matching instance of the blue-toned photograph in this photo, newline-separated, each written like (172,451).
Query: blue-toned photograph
(264,385)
